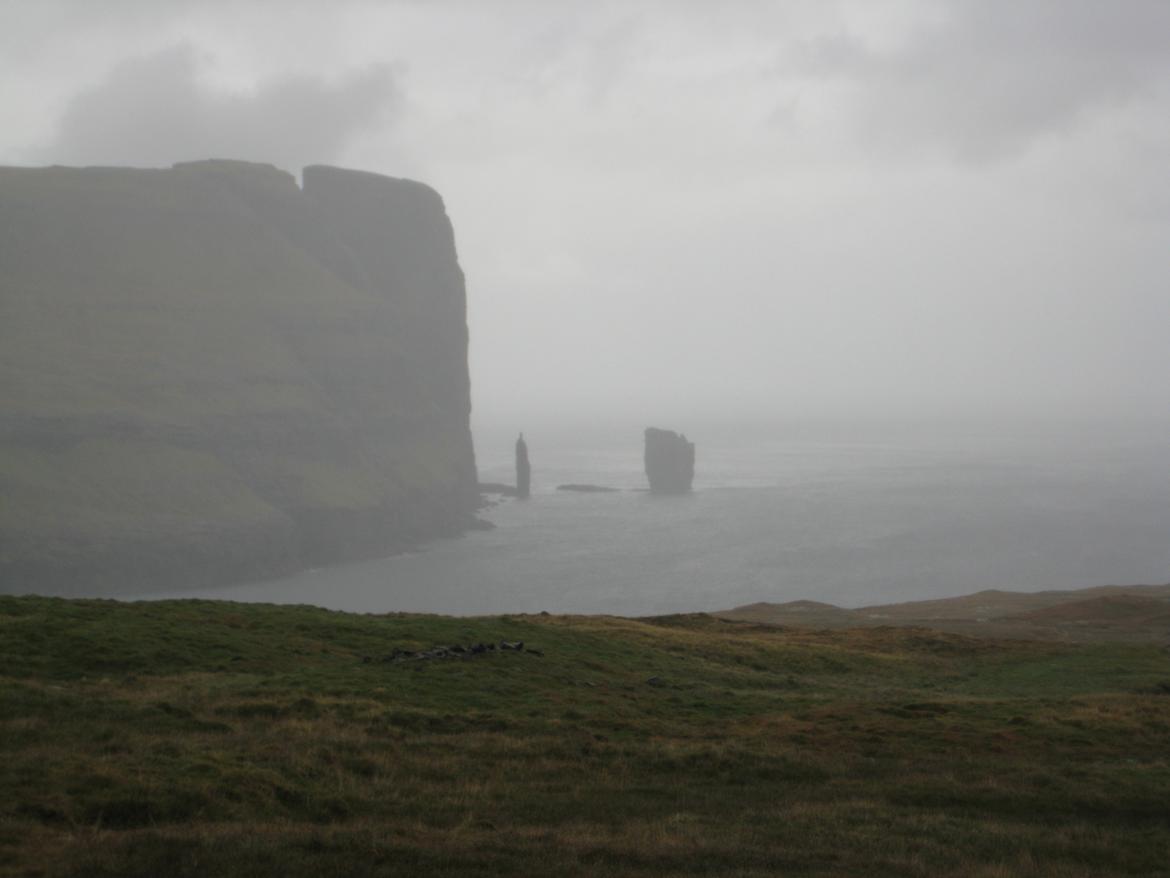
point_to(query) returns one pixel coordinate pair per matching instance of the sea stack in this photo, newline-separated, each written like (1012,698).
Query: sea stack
(523,469)
(670,461)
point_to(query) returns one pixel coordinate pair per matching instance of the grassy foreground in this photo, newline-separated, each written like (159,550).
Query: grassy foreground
(207,738)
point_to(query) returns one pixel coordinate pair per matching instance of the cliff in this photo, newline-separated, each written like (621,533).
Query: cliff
(208,373)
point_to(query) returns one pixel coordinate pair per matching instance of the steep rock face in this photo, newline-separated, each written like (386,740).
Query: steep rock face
(209,374)
(523,469)
(670,461)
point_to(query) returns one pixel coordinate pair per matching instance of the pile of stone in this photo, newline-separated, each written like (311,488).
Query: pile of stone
(455,651)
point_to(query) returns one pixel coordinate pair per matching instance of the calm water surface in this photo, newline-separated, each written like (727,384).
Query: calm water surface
(850,516)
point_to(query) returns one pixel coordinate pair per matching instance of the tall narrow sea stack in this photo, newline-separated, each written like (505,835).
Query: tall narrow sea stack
(670,461)
(523,469)
(208,373)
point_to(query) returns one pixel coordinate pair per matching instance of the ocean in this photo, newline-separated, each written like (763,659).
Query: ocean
(849,514)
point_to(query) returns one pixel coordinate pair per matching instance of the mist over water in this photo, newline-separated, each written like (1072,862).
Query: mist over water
(851,514)
(900,209)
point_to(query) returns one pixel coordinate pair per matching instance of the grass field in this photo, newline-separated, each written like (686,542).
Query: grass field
(209,738)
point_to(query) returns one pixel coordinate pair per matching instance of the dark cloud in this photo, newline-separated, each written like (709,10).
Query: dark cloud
(986,78)
(155,110)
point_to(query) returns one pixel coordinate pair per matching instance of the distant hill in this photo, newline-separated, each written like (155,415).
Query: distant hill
(1109,610)
(994,603)
(1112,612)
(208,373)
(803,613)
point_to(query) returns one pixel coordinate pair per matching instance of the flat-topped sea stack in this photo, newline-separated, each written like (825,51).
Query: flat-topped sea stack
(670,461)
(208,373)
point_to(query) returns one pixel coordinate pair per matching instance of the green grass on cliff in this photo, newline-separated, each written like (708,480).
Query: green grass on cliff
(206,738)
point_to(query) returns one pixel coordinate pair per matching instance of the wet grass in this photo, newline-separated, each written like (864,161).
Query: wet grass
(200,738)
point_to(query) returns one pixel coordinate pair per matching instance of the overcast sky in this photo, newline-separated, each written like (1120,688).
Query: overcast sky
(664,208)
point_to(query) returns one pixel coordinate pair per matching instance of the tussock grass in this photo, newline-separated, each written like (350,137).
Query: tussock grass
(199,738)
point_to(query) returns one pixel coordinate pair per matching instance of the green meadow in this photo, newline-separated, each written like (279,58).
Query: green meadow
(188,738)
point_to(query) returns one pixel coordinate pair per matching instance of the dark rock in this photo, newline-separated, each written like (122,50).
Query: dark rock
(670,461)
(523,469)
(655,681)
(454,651)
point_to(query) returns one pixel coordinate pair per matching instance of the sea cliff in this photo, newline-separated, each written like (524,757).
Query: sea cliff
(208,373)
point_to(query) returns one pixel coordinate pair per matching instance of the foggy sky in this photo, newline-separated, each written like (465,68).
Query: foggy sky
(765,209)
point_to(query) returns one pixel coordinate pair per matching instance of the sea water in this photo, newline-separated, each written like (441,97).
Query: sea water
(844,513)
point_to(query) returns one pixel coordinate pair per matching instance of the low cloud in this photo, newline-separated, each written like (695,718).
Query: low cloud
(984,80)
(155,110)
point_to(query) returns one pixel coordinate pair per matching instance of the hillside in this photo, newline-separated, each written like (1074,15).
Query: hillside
(1110,612)
(190,738)
(208,373)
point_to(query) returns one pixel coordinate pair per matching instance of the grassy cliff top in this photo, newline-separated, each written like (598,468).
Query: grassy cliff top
(196,737)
